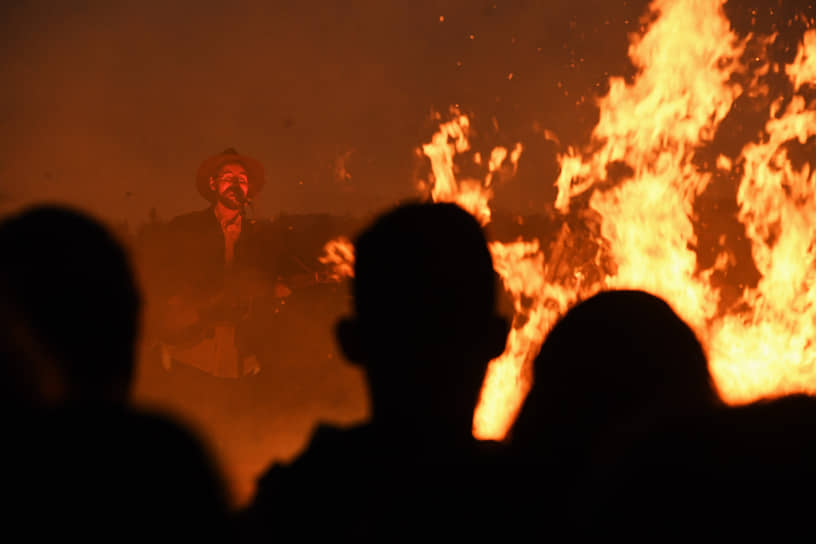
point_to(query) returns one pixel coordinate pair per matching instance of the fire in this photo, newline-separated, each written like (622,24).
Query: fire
(654,126)
(523,271)
(768,349)
(642,178)
(338,255)
(473,195)
(520,264)
(537,302)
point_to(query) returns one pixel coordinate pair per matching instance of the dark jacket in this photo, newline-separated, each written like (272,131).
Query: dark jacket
(191,264)
(194,253)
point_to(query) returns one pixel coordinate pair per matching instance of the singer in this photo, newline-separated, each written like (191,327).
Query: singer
(215,273)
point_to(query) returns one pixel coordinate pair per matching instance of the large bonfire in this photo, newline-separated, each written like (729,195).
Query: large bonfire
(690,73)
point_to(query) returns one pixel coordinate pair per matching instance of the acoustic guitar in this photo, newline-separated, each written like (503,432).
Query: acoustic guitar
(200,330)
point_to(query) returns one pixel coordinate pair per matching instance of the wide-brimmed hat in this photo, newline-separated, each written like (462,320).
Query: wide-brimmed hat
(208,168)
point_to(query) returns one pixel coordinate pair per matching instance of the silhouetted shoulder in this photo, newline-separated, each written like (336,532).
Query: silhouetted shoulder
(317,495)
(103,468)
(330,449)
(733,471)
(351,483)
(774,440)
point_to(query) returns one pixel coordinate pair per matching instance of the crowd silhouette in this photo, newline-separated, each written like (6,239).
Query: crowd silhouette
(82,462)
(622,430)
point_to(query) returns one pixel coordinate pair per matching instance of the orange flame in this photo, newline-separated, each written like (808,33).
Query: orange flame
(338,255)
(520,264)
(651,129)
(655,126)
(470,194)
(768,350)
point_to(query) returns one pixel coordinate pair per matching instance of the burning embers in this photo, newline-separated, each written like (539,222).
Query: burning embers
(338,255)
(654,129)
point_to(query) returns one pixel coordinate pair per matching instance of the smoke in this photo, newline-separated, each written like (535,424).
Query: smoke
(112,107)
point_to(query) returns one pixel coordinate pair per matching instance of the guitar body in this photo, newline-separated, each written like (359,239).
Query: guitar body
(201,331)
(216,355)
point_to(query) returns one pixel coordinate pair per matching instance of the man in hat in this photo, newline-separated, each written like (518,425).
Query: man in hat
(220,266)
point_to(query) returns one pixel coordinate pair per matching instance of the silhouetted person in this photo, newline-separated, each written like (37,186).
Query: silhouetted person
(741,470)
(71,283)
(423,329)
(89,466)
(612,369)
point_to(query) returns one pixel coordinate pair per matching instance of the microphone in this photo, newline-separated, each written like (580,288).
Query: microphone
(245,201)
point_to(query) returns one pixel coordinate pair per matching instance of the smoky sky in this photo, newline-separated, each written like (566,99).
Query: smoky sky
(111,106)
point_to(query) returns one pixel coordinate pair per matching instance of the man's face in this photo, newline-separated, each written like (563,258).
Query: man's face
(231,185)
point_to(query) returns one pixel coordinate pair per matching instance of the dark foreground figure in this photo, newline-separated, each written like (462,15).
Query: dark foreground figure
(616,367)
(424,328)
(743,471)
(81,463)
(623,434)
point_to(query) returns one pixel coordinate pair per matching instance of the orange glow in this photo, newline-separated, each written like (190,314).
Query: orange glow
(471,194)
(768,349)
(655,125)
(338,255)
(651,129)
(521,266)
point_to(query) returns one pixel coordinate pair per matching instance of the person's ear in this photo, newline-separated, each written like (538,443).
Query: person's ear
(212,184)
(347,333)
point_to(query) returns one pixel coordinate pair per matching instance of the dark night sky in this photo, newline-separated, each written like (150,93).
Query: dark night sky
(112,105)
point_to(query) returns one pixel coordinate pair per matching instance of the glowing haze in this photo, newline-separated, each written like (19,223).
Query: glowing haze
(652,129)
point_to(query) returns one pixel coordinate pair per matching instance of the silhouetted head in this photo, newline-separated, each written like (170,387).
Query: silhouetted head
(616,358)
(425,323)
(70,287)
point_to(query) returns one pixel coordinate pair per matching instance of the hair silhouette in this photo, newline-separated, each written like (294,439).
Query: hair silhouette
(88,464)
(615,367)
(613,358)
(70,283)
(423,329)
(424,324)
